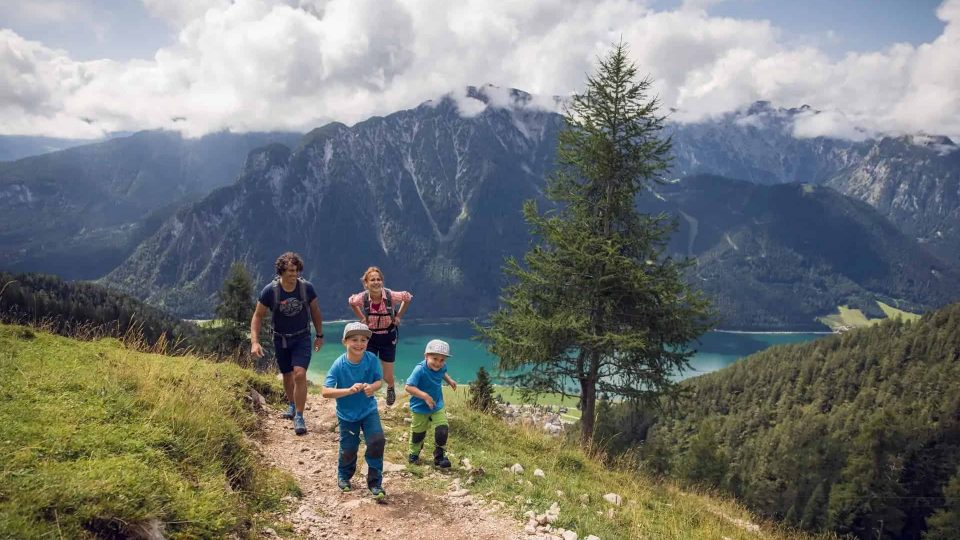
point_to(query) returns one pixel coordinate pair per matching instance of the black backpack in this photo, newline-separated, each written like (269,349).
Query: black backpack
(301,284)
(387,299)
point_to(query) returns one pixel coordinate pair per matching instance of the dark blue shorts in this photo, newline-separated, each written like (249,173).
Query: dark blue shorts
(297,352)
(384,345)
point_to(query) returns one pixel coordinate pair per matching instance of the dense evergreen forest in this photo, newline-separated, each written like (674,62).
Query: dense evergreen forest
(85,309)
(856,433)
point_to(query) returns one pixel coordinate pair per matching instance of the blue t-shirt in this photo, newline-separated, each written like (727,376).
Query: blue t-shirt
(292,316)
(344,374)
(429,381)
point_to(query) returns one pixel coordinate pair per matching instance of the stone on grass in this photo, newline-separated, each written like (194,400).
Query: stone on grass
(613,499)
(539,473)
(516,468)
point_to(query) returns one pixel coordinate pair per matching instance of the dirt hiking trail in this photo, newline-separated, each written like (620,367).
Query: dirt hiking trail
(410,511)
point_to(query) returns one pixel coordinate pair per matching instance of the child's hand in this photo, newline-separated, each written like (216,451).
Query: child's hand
(357,387)
(430,403)
(368,390)
(453,384)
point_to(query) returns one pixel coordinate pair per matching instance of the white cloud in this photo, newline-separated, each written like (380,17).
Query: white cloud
(38,11)
(296,64)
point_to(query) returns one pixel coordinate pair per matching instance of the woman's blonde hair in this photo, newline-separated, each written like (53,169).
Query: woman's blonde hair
(367,274)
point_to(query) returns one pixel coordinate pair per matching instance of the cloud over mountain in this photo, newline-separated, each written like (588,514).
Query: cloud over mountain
(295,64)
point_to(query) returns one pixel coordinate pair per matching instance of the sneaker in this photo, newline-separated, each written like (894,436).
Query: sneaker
(344,485)
(299,426)
(391,395)
(290,412)
(378,493)
(442,462)
(413,458)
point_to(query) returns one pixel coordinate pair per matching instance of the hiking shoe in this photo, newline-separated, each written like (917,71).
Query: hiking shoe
(391,395)
(344,485)
(378,493)
(413,458)
(299,426)
(442,462)
(290,412)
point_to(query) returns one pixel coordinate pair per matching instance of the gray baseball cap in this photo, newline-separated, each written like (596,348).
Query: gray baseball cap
(437,346)
(354,328)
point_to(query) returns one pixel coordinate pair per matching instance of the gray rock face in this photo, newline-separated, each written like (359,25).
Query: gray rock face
(912,180)
(431,197)
(434,199)
(80,212)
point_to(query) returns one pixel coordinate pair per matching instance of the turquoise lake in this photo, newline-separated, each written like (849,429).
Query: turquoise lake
(715,350)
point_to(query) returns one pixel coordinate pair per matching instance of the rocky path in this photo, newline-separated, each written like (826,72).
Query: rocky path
(410,510)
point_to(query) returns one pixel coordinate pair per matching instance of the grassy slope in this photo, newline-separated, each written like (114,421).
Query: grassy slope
(650,509)
(854,318)
(96,438)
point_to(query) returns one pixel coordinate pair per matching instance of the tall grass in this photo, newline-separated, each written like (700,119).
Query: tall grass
(99,439)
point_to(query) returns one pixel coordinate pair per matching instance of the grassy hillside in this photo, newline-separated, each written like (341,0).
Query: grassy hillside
(575,480)
(97,440)
(857,433)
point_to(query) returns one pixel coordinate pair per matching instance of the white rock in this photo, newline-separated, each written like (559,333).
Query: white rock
(613,499)
(569,535)
(460,493)
(592,537)
(539,473)
(466,464)
(393,467)
(517,468)
(559,493)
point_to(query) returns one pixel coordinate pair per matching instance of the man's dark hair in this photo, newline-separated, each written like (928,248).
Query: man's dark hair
(288,259)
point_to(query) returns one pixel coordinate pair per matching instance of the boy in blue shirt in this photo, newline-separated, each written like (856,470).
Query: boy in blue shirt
(352,380)
(425,386)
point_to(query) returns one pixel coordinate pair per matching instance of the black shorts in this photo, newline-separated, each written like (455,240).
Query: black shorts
(297,352)
(384,345)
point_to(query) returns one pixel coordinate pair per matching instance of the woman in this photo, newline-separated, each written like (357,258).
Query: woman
(381,309)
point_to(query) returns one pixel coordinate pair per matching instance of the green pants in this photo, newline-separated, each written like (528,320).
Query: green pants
(418,431)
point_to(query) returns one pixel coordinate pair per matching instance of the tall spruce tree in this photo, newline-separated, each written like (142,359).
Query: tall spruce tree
(230,338)
(597,306)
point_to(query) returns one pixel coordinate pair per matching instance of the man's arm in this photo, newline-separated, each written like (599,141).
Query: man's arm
(317,323)
(255,323)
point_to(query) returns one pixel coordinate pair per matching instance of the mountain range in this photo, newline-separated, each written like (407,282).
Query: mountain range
(432,195)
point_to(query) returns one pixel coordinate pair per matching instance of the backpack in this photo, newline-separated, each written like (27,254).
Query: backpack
(387,299)
(301,284)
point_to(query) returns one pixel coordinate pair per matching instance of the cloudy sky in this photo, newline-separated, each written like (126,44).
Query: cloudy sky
(81,68)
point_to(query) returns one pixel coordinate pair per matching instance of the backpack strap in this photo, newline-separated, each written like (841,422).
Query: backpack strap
(303,290)
(276,296)
(388,299)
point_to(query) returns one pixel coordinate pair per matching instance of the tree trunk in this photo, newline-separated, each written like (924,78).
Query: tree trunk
(588,407)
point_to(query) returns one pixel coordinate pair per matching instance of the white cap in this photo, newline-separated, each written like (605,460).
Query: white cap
(354,328)
(437,346)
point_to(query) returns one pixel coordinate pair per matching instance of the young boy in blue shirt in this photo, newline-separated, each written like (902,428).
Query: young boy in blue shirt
(352,380)
(425,386)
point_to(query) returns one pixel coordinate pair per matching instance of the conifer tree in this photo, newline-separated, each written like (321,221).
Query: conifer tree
(229,338)
(481,392)
(597,306)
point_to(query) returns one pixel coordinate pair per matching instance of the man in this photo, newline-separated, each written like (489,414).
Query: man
(290,298)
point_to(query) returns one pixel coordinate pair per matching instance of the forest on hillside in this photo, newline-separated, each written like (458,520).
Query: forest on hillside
(856,433)
(88,310)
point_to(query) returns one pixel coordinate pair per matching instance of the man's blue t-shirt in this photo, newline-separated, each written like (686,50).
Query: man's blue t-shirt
(429,381)
(344,374)
(292,316)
